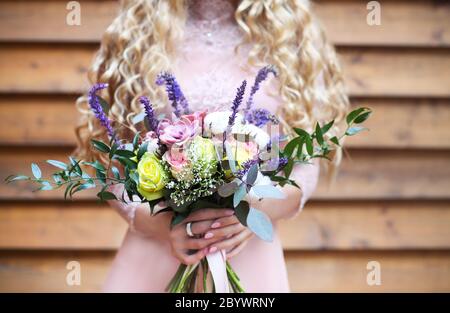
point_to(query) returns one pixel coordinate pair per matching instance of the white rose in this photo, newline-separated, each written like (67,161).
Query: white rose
(217,122)
(260,137)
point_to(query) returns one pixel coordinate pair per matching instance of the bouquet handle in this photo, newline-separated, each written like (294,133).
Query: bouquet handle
(218,267)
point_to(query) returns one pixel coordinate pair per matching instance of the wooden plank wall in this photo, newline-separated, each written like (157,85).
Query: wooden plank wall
(391,203)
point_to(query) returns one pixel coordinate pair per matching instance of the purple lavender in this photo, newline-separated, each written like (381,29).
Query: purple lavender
(260,117)
(152,122)
(236,103)
(98,110)
(174,93)
(260,77)
(246,166)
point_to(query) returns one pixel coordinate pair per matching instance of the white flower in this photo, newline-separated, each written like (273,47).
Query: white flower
(259,136)
(217,122)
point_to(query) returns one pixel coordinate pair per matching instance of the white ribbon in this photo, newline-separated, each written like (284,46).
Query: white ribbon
(218,268)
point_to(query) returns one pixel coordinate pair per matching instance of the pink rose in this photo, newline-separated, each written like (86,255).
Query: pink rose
(177,159)
(176,132)
(196,118)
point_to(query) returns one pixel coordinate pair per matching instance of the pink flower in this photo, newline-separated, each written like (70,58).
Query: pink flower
(177,159)
(177,132)
(196,118)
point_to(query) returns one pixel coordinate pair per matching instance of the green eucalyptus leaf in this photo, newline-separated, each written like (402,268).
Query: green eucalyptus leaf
(260,224)
(242,211)
(227,189)
(239,194)
(36,171)
(252,174)
(268,191)
(354,130)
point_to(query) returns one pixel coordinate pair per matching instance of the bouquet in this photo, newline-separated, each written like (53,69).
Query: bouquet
(195,160)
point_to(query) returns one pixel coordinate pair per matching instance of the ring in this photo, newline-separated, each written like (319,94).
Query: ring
(189,230)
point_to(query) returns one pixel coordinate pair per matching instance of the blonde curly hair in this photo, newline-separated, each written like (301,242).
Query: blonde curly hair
(141,41)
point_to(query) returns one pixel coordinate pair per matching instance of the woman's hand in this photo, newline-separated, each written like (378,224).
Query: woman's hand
(202,222)
(235,236)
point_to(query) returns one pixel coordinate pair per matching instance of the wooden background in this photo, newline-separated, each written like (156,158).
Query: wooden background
(391,203)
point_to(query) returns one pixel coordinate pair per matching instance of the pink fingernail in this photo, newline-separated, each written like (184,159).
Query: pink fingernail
(215,225)
(230,212)
(212,249)
(209,235)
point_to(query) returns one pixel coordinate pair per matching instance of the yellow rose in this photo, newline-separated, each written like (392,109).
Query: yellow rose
(152,177)
(242,152)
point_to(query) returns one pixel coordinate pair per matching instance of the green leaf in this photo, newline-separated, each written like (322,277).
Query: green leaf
(319,135)
(125,153)
(106,195)
(335,140)
(361,118)
(242,211)
(252,174)
(83,187)
(126,162)
(327,127)
(290,147)
(115,172)
(239,195)
(104,104)
(260,224)
(97,165)
(58,164)
(46,186)
(113,150)
(12,178)
(227,189)
(138,118)
(136,141)
(301,132)
(177,219)
(101,175)
(288,168)
(268,191)
(309,145)
(57,178)
(36,171)
(76,166)
(354,130)
(100,146)
(142,149)
(353,114)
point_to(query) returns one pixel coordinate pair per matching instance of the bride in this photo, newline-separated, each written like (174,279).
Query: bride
(210,46)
